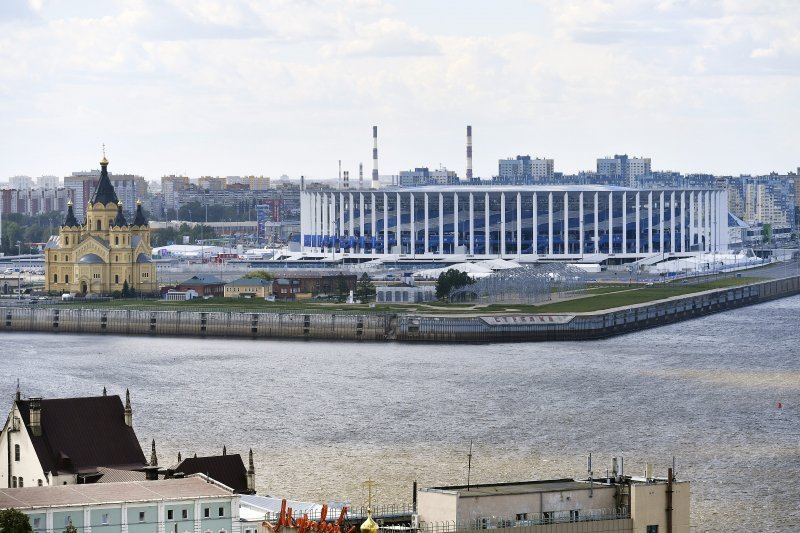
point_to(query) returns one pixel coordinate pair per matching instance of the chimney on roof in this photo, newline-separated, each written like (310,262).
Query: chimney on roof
(224,450)
(251,475)
(128,410)
(153,457)
(179,457)
(35,407)
(104,392)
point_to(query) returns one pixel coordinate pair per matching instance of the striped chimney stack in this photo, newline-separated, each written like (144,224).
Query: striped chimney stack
(374,157)
(469,153)
(361,176)
(339,182)
(346,179)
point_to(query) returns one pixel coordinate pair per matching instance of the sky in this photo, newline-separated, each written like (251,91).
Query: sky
(272,87)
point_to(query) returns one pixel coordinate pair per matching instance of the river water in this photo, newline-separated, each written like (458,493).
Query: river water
(322,417)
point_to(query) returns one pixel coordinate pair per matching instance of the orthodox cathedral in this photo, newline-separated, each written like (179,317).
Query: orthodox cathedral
(104,252)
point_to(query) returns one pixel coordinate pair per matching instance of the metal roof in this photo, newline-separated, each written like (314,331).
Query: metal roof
(522,487)
(107,493)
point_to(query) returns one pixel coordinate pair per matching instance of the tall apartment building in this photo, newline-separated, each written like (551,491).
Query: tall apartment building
(169,186)
(82,184)
(255,183)
(20,182)
(624,168)
(33,202)
(424,176)
(524,169)
(210,183)
(48,182)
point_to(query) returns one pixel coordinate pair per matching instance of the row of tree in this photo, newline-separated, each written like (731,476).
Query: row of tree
(28,230)
(197,212)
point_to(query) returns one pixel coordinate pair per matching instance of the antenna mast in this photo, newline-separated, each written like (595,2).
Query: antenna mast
(469,463)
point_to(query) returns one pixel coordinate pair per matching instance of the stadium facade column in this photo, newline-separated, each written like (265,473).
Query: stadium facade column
(455,221)
(342,226)
(596,223)
(624,222)
(683,221)
(565,227)
(502,224)
(580,222)
(441,223)
(650,222)
(325,212)
(361,219)
(672,222)
(471,223)
(486,230)
(691,219)
(373,231)
(386,247)
(708,220)
(661,222)
(427,224)
(519,225)
(610,222)
(550,223)
(535,222)
(413,221)
(638,224)
(399,223)
(352,213)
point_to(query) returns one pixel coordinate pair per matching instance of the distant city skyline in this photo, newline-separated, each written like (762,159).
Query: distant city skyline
(272,88)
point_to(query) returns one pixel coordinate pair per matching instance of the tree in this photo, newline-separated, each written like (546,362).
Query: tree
(450,280)
(14,521)
(365,289)
(70,528)
(260,274)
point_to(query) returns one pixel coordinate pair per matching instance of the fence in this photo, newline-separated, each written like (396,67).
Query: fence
(526,520)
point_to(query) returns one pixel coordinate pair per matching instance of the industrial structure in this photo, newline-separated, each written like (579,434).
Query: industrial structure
(526,222)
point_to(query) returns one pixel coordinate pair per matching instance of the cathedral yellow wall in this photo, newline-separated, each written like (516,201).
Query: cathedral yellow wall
(64,272)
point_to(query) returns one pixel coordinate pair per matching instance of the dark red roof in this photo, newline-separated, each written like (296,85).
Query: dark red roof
(227,469)
(80,434)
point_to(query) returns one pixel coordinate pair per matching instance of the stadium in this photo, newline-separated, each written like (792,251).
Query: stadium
(526,222)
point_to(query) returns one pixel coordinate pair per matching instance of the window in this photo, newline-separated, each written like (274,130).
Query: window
(185,514)
(547,517)
(116,278)
(55,257)
(99,225)
(37,522)
(169,514)
(522,516)
(116,240)
(145,274)
(66,278)
(207,512)
(141,516)
(104,519)
(574,516)
(222,511)
(651,529)
(55,278)
(96,275)
(66,240)
(20,482)
(13,482)
(16,452)
(39,482)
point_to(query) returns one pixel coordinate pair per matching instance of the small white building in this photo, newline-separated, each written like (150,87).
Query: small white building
(405,293)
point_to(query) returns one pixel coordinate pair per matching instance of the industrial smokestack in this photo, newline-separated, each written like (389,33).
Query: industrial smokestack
(374,157)
(346,180)
(469,153)
(339,182)
(361,176)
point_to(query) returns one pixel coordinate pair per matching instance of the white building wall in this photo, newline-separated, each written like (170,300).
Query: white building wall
(28,467)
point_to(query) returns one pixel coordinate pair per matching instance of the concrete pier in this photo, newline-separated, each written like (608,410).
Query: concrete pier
(394,327)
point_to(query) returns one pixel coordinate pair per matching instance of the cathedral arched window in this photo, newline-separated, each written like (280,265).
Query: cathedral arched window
(55,278)
(66,278)
(66,240)
(99,225)
(116,240)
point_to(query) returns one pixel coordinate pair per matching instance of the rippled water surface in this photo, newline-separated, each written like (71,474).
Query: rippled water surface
(322,417)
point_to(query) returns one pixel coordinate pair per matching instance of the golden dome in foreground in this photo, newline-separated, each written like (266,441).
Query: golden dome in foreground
(369,525)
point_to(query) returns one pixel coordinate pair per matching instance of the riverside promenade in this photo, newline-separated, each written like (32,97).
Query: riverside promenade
(472,327)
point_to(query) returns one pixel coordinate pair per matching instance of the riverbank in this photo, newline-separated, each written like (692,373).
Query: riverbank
(474,327)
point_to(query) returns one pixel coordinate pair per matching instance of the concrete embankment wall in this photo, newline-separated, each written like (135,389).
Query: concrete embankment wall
(370,327)
(390,327)
(588,326)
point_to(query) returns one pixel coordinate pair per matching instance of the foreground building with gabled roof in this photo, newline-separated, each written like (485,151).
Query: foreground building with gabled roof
(104,253)
(67,441)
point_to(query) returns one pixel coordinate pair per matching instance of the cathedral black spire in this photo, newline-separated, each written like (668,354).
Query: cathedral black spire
(104,193)
(139,220)
(70,221)
(120,220)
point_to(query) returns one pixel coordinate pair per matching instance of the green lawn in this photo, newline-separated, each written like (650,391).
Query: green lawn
(594,299)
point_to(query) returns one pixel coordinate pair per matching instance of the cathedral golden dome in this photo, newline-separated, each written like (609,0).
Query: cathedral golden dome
(369,525)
